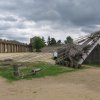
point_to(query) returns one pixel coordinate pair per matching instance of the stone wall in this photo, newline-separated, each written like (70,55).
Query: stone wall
(94,57)
(7,46)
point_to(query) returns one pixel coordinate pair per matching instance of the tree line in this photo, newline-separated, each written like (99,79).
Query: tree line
(38,43)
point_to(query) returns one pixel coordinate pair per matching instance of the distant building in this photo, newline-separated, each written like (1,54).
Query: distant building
(10,46)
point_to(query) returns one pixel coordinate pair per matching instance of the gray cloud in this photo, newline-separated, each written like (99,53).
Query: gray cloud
(34,17)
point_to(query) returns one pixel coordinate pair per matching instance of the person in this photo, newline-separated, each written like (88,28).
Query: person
(55,55)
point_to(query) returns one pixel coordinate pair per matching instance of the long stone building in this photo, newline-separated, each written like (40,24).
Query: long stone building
(10,46)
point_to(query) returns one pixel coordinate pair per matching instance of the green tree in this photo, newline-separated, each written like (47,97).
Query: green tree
(59,42)
(43,39)
(49,41)
(68,40)
(53,41)
(37,43)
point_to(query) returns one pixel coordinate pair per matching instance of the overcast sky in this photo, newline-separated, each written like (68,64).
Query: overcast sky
(22,19)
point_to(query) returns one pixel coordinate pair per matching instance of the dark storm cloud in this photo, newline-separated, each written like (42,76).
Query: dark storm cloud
(78,12)
(58,14)
(8,18)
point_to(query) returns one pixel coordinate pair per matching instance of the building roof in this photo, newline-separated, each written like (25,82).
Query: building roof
(11,42)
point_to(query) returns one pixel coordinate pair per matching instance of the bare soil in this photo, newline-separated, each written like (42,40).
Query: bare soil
(79,85)
(28,57)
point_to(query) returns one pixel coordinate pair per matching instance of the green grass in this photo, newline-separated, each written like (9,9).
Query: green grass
(51,70)
(7,73)
(46,70)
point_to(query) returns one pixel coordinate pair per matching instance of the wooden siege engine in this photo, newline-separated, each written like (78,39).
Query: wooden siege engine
(73,55)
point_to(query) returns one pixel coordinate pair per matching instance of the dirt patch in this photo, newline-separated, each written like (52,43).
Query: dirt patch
(28,57)
(80,85)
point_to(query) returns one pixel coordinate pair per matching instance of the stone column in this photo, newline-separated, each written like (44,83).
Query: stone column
(26,49)
(0,47)
(12,48)
(8,48)
(5,48)
(22,48)
(19,49)
(16,48)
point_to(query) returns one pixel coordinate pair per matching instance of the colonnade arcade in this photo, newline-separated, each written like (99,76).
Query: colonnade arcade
(7,46)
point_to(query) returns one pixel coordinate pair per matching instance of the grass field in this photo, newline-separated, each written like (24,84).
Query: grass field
(47,69)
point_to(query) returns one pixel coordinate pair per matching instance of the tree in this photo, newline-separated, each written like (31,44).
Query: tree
(68,40)
(53,41)
(49,40)
(37,43)
(59,42)
(43,40)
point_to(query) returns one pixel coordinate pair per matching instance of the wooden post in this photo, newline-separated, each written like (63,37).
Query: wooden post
(15,70)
